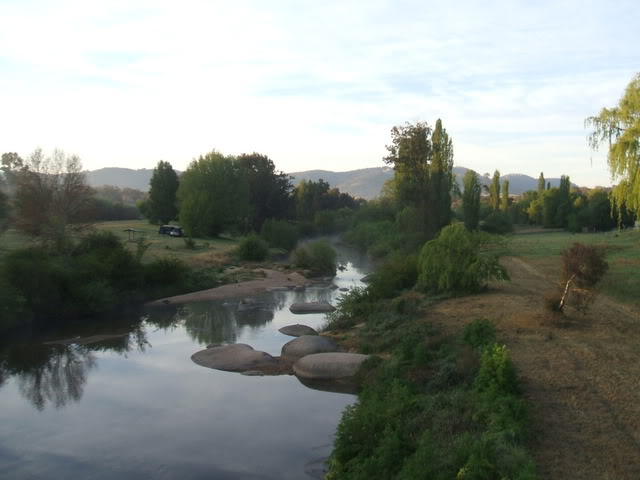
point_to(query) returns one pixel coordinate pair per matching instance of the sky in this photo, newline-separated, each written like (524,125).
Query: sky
(314,85)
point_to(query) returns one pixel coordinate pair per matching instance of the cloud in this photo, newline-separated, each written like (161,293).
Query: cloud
(312,84)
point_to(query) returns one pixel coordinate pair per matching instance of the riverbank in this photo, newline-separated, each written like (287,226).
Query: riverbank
(268,279)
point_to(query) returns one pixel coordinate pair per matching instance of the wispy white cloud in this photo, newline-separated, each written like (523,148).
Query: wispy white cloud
(313,84)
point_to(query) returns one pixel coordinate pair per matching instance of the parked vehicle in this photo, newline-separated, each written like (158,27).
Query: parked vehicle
(172,230)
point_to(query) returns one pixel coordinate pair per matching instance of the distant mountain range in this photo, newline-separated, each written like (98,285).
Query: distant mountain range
(365,182)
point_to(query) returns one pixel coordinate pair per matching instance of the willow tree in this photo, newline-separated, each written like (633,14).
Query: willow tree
(422,159)
(619,127)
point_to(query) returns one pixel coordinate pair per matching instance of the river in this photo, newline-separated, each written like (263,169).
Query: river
(136,406)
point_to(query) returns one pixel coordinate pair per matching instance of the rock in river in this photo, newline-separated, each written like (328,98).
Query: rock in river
(312,307)
(328,366)
(307,345)
(297,330)
(234,358)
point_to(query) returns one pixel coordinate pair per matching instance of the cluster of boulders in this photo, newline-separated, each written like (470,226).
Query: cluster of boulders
(309,356)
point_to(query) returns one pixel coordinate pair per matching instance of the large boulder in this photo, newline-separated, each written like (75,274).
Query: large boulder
(297,330)
(307,345)
(328,366)
(312,307)
(234,358)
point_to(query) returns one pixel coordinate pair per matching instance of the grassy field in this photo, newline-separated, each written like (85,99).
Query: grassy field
(207,252)
(622,282)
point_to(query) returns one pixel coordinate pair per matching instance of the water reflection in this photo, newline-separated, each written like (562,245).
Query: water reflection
(59,379)
(55,375)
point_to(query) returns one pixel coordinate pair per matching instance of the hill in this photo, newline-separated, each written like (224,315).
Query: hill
(365,182)
(120,177)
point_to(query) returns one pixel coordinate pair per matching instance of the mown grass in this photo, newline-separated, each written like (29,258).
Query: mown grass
(207,252)
(622,281)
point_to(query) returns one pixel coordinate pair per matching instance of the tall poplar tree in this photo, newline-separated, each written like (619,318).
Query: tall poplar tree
(505,196)
(541,184)
(494,191)
(422,160)
(471,200)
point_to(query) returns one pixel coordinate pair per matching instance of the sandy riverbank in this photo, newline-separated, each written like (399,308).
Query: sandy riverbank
(271,279)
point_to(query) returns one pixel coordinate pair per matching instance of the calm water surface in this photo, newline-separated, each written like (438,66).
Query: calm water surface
(137,406)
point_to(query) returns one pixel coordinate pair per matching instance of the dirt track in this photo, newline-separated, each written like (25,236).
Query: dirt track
(582,381)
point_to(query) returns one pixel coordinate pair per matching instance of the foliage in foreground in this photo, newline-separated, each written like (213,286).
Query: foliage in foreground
(458,261)
(436,410)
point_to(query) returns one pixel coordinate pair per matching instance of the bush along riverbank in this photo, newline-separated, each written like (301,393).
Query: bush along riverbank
(431,406)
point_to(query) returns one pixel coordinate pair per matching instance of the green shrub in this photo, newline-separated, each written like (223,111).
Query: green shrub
(397,273)
(458,261)
(189,243)
(280,234)
(352,307)
(480,333)
(497,373)
(165,271)
(317,257)
(498,223)
(253,248)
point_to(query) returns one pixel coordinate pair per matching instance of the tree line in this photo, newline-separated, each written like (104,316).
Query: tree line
(218,193)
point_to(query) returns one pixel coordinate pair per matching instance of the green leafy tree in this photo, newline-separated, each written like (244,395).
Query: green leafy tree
(423,164)
(599,210)
(471,200)
(213,195)
(270,191)
(163,185)
(458,261)
(541,184)
(504,205)
(494,191)
(619,127)
(308,198)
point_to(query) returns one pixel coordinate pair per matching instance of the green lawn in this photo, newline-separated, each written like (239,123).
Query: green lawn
(208,251)
(622,282)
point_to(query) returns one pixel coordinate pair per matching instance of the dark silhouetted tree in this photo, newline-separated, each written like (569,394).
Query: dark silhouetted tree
(163,187)
(270,191)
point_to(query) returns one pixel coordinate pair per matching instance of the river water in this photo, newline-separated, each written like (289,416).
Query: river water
(137,407)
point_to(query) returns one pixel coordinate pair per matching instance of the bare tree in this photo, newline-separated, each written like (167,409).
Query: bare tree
(52,196)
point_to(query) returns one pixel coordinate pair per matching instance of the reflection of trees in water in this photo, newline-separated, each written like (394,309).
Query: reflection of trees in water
(217,323)
(54,375)
(50,375)
(165,318)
